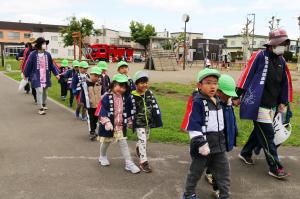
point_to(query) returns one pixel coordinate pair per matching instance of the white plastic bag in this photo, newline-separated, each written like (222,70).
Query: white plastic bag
(22,84)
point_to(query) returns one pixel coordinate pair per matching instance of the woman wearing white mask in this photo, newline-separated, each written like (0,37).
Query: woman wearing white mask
(37,69)
(265,87)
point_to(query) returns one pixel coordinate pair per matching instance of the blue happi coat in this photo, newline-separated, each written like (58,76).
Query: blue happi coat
(32,69)
(252,81)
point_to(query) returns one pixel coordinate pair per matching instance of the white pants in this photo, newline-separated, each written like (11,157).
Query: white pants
(143,136)
(41,96)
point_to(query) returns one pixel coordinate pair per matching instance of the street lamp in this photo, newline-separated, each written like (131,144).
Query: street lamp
(185,19)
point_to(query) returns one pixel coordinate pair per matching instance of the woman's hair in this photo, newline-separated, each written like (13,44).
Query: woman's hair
(114,83)
(39,46)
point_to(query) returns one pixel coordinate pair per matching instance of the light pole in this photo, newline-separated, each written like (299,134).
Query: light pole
(298,62)
(185,19)
(253,28)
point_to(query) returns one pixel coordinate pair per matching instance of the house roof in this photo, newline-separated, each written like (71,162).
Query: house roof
(240,35)
(30,26)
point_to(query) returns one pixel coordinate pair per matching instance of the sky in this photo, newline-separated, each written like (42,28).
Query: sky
(213,18)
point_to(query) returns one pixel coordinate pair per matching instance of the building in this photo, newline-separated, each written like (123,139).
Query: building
(210,48)
(14,35)
(190,36)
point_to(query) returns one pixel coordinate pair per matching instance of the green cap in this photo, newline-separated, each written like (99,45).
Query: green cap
(202,74)
(96,70)
(138,75)
(122,63)
(120,78)
(83,64)
(75,63)
(64,63)
(102,65)
(227,85)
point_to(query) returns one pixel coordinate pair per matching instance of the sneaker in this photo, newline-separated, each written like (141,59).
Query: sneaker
(45,107)
(145,167)
(63,98)
(247,160)
(130,166)
(194,196)
(93,136)
(42,112)
(279,174)
(84,118)
(217,194)
(257,150)
(103,161)
(209,178)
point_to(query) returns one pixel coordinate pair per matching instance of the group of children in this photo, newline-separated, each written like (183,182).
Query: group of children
(113,106)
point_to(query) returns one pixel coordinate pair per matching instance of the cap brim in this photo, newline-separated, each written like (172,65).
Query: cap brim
(231,94)
(207,75)
(278,41)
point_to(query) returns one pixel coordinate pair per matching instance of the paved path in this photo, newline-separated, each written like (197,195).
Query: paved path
(47,157)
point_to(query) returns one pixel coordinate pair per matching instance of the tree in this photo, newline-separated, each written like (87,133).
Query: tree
(84,26)
(288,56)
(141,33)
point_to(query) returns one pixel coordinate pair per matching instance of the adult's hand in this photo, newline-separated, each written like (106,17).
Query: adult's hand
(57,77)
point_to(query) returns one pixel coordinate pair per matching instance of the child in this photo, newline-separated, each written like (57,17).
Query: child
(79,88)
(104,78)
(94,89)
(146,115)
(114,116)
(37,69)
(63,81)
(204,121)
(69,74)
(123,69)
(226,90)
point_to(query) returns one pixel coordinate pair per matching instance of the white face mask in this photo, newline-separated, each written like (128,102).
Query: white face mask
(279,50)
(44,46)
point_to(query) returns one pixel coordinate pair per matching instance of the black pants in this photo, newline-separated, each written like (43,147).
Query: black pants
(93,119)
(63,89)
(33,92)
(218,164)
(263,135)
(71,97)
(27,88)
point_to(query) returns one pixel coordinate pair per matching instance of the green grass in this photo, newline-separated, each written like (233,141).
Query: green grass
(172,98)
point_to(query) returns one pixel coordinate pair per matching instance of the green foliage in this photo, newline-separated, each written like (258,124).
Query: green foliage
(141,33)
(288,56)
(84,26)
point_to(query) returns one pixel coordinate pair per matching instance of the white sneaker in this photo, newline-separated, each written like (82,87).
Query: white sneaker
(45,107)
(103,161)
(130,166)
(42,112)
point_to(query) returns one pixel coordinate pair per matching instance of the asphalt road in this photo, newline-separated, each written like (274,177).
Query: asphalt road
(47,157)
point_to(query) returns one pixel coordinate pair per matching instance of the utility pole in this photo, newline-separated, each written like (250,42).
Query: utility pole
(272,23)
(245,33)
(185,19)
(253,30)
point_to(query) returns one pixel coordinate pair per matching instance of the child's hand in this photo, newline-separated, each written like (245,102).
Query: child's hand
(109,126)
(204,150)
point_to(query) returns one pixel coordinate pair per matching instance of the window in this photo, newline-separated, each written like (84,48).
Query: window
(27,35)
(54,38)
(232,43)
(213,56)
(1,35)
(102,50)
(54,51)
(70,52)
(14,35)
(292,47)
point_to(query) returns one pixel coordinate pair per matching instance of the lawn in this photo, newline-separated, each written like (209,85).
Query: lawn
(172,99)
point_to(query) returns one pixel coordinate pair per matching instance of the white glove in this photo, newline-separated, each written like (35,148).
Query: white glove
(204,150)
(109,126)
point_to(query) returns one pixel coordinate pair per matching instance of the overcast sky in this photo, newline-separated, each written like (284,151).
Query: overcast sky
(214,18)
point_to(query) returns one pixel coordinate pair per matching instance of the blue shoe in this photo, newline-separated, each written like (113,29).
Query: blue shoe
(194,196)
(84,118)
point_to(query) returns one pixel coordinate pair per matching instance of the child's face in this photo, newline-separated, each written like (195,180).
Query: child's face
(123,70)
(103,71)
(82,70)
(224,98)
(76,68)
(94,78)
(142,87)
(209,86)
(118,89)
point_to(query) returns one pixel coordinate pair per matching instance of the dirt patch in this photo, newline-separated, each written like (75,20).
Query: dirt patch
(170,93)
